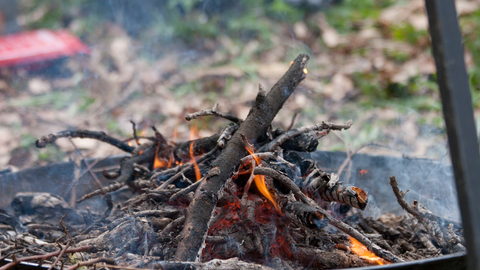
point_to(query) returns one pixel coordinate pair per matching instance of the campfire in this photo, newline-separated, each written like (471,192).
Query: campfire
(249,196)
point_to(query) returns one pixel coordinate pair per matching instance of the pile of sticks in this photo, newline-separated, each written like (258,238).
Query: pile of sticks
(207,210)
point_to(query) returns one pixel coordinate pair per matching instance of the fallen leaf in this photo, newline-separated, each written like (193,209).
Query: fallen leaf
(419,21)
(466,7)
(330,36)
(338,87)
(38,86)
(301,30)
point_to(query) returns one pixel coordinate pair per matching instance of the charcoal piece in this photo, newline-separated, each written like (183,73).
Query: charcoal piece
(303,164)
(303,143)
(13,221)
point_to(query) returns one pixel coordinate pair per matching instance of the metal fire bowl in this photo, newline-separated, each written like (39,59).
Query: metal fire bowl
(430,182)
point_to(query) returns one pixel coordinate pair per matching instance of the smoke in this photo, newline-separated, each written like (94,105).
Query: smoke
(429,182)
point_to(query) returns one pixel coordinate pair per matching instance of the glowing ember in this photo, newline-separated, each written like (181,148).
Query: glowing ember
(305,71)
(362,251)
(363,172)
(362,196)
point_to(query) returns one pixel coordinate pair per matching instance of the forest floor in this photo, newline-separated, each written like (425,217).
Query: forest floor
(370,62)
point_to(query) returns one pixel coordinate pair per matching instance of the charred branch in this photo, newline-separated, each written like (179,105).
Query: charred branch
(306,214)
(200,146)
(98,135)
(226,134)
(330,189)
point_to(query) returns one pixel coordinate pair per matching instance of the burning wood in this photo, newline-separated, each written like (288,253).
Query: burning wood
(196,204)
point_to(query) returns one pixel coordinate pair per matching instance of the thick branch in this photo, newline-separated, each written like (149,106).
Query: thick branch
(257,122)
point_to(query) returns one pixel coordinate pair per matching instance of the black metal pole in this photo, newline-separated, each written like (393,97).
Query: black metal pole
(457,109)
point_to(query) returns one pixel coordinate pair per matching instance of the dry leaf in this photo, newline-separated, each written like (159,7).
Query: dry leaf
(301,30)
(329,35)
(338,87)
(38,86)
(466,7)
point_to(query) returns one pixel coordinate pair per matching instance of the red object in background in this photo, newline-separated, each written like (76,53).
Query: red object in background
(38,46)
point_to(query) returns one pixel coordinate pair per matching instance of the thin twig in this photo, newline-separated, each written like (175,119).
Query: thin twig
(185,169)
(135,136)
(92,262)
(265,155)
(293,120)
(104,190)
(60,255)
(86,163)
(214,112)
(441,234)
(186,190)
(44,256)
(401,200)
(98,135)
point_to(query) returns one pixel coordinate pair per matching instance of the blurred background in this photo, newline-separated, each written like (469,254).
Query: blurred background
(154,61)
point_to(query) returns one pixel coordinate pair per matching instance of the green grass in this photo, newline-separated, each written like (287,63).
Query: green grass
(470,25)
(407,33)
(349,15)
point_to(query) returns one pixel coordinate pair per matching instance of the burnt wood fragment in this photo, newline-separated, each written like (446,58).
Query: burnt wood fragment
(301,143)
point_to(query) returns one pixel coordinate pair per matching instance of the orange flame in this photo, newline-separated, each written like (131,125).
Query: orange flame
(305,71)
(193,135)
(198,175)
(260,181)
(363,172)
(362,251)
(159,163)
